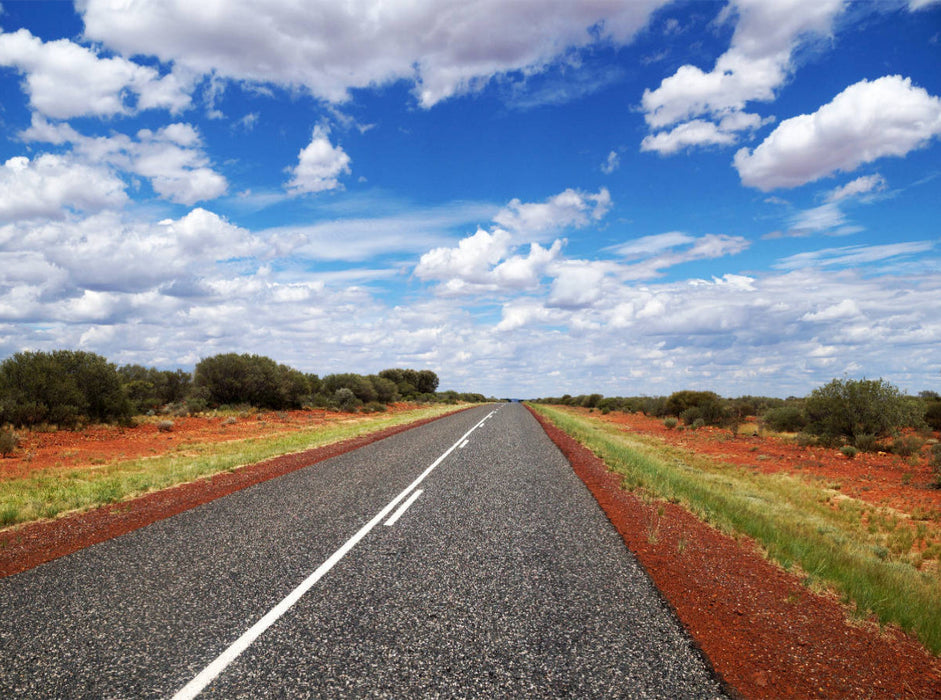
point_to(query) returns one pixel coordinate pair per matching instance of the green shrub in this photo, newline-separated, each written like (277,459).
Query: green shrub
(845,408)
(867,442)
(849,451)
(63,387)
(933,414)
(907,446)
(9,441)
(346,400)
(253,379)
(670,422)
(785,419)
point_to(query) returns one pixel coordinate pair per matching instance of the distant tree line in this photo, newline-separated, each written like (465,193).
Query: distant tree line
(68,388)
(858,413)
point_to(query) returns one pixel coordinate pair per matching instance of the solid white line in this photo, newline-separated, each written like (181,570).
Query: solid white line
(221,662)
(402,508)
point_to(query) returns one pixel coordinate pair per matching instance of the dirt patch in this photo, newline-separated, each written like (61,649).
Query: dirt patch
(64,449)
(766,635)
(905,484)
(24,547)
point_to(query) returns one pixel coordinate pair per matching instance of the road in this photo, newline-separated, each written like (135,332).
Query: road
(498,577)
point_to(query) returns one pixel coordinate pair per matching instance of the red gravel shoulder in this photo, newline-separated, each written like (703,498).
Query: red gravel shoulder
(766,635)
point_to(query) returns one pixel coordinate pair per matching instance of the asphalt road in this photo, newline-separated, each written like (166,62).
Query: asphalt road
(501,578)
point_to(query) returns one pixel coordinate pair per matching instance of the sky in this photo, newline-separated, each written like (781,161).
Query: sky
(528,198)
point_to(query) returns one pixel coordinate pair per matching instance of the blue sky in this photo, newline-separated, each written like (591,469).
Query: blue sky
(530,199)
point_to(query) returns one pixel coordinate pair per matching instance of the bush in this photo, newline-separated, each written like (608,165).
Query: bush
(849,451)
(165,426)
(933,414)
(867,442)
(253,379)
(847,408)
(907,446)
(9,441)
(670,423)
(63,387)
(346,400)
(934,459)
(785,419)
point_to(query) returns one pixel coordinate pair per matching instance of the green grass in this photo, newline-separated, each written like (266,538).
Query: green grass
(48,493)
(795,521)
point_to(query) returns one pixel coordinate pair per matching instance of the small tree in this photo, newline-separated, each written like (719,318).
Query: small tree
(846,408)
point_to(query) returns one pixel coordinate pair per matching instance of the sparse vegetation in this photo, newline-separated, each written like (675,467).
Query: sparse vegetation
(867,553)
(9,441)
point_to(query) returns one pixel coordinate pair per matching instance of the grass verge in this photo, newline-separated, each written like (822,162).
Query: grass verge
(796,522)
(51,492)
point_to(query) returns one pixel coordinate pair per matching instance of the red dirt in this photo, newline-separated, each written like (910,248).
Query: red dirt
(766,635)
(878,478)
(30,545)
(64,449)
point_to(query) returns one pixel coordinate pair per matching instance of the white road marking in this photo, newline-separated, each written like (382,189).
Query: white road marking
(221,662)
(464,444)
(402,508)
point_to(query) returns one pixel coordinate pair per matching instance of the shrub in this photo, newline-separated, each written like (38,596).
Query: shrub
(846,408)
(785,419)
(64,387)
(935,460)
(849,451)
(346,400)
(374,407)
(867,442)
(9,441)
(670,422)
(698,423)
(933,414)
(253,379)
(907,446)
(165,426)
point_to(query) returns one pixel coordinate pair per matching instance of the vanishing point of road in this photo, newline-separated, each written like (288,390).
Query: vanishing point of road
(462,558)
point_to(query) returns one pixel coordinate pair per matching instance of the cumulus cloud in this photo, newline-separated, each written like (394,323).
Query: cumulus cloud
(49,186)
(757,63)
(571,208)
(443,48)
(65,80)
(867,121)
(319,165)
(172,157)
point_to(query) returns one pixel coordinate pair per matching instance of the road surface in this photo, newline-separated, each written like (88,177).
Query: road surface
(462,558)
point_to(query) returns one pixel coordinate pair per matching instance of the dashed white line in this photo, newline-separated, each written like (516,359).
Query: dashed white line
(464,444)
(402,508)
(221,662)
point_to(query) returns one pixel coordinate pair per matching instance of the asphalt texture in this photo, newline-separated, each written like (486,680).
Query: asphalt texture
(502,579)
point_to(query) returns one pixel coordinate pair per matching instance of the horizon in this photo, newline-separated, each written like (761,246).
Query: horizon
(624,198)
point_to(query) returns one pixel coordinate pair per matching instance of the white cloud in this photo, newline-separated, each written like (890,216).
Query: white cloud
(612,163)
(571,208)
(319,165)
(172,157)
(851,256)
(867,121)
(651,255)
(756,64)
(443,48)
(50,185)
(860,186)
(65,80)
(693,133)
(844,309)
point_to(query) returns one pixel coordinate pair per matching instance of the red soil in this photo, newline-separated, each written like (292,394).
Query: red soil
(766,635)
(878,478)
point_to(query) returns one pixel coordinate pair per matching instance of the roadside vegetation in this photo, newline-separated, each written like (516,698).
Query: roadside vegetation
(866,415)
(48,493)
(67,389)
(870,555)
